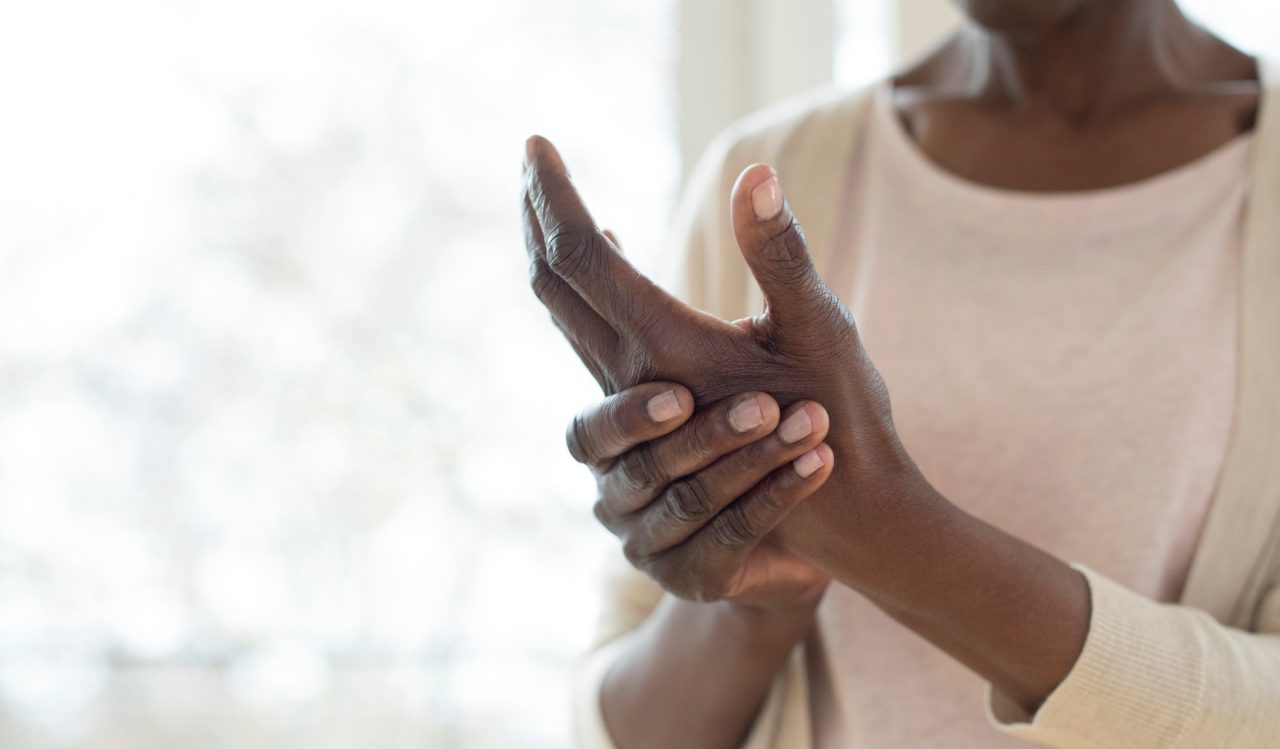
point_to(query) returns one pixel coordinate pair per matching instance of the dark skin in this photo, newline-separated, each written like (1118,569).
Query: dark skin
(1042,95)
(1111,93)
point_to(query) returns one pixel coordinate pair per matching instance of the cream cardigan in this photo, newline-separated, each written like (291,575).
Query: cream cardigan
(1202,673)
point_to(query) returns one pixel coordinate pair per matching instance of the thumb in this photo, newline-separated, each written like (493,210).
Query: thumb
(774,247)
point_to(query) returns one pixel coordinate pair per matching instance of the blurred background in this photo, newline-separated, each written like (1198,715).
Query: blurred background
(281,454)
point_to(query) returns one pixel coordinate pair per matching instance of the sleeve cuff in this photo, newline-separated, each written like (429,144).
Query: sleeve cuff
(1138,681)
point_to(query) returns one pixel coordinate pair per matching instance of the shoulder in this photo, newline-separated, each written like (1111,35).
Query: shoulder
(802,138)
(807,140)
(816,121)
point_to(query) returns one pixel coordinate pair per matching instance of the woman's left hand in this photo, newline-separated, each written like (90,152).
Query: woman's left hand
(803,346)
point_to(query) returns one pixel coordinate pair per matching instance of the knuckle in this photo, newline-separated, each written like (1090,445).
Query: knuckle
(787,248)
(733,528)
(617,420)
(541,279)
(569,249)
(687,502)
(770,501)
(703,438)
(635,549)
(601,511)
(577,438)
(639,471)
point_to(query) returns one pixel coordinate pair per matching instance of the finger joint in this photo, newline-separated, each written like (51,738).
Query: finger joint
(570,250)
(734,527)
(541,279)
(576,437)
(687,502)
(640,471)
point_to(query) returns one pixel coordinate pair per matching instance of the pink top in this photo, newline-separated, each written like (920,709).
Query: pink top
(1061,364)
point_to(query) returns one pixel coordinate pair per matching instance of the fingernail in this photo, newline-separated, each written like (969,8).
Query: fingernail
(766,199)
(746,415)
(806,465)
(797,426)
(664,406)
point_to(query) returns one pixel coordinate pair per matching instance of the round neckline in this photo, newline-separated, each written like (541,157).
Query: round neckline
(1122,205)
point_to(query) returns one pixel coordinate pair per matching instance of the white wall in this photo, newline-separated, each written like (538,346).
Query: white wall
(737,56)
(920,25)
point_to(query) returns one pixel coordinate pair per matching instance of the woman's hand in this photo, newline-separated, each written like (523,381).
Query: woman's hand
(1013,613)
(694,496)
(803,346)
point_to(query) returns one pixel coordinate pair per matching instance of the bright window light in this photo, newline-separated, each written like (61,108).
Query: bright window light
(281,454)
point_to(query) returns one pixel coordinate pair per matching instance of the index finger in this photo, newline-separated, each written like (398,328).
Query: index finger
(578,251)
(612,426)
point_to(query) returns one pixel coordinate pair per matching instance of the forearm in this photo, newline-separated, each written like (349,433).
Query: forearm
(1011,612)
(696,674)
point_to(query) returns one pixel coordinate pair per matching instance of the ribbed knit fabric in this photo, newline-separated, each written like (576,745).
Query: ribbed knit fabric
(1187,682)
(1126,636)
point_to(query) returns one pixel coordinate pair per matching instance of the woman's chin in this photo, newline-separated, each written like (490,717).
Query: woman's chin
(1019,16)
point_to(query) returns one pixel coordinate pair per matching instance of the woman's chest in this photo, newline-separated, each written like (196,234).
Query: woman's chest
(1078,394)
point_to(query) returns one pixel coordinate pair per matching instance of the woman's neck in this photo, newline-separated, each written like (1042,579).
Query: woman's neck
(1112,92)
(1089,64)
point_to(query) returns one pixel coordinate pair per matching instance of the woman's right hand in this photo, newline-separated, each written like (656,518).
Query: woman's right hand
(694,497)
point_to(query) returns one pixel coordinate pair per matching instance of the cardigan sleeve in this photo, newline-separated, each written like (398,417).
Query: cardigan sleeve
(707,271)
(1159,675)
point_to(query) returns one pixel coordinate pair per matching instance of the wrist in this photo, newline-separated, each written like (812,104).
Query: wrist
(870,533)
(789,620)
(917,543)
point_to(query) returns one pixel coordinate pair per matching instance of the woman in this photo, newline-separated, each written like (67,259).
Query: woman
(1058,235)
